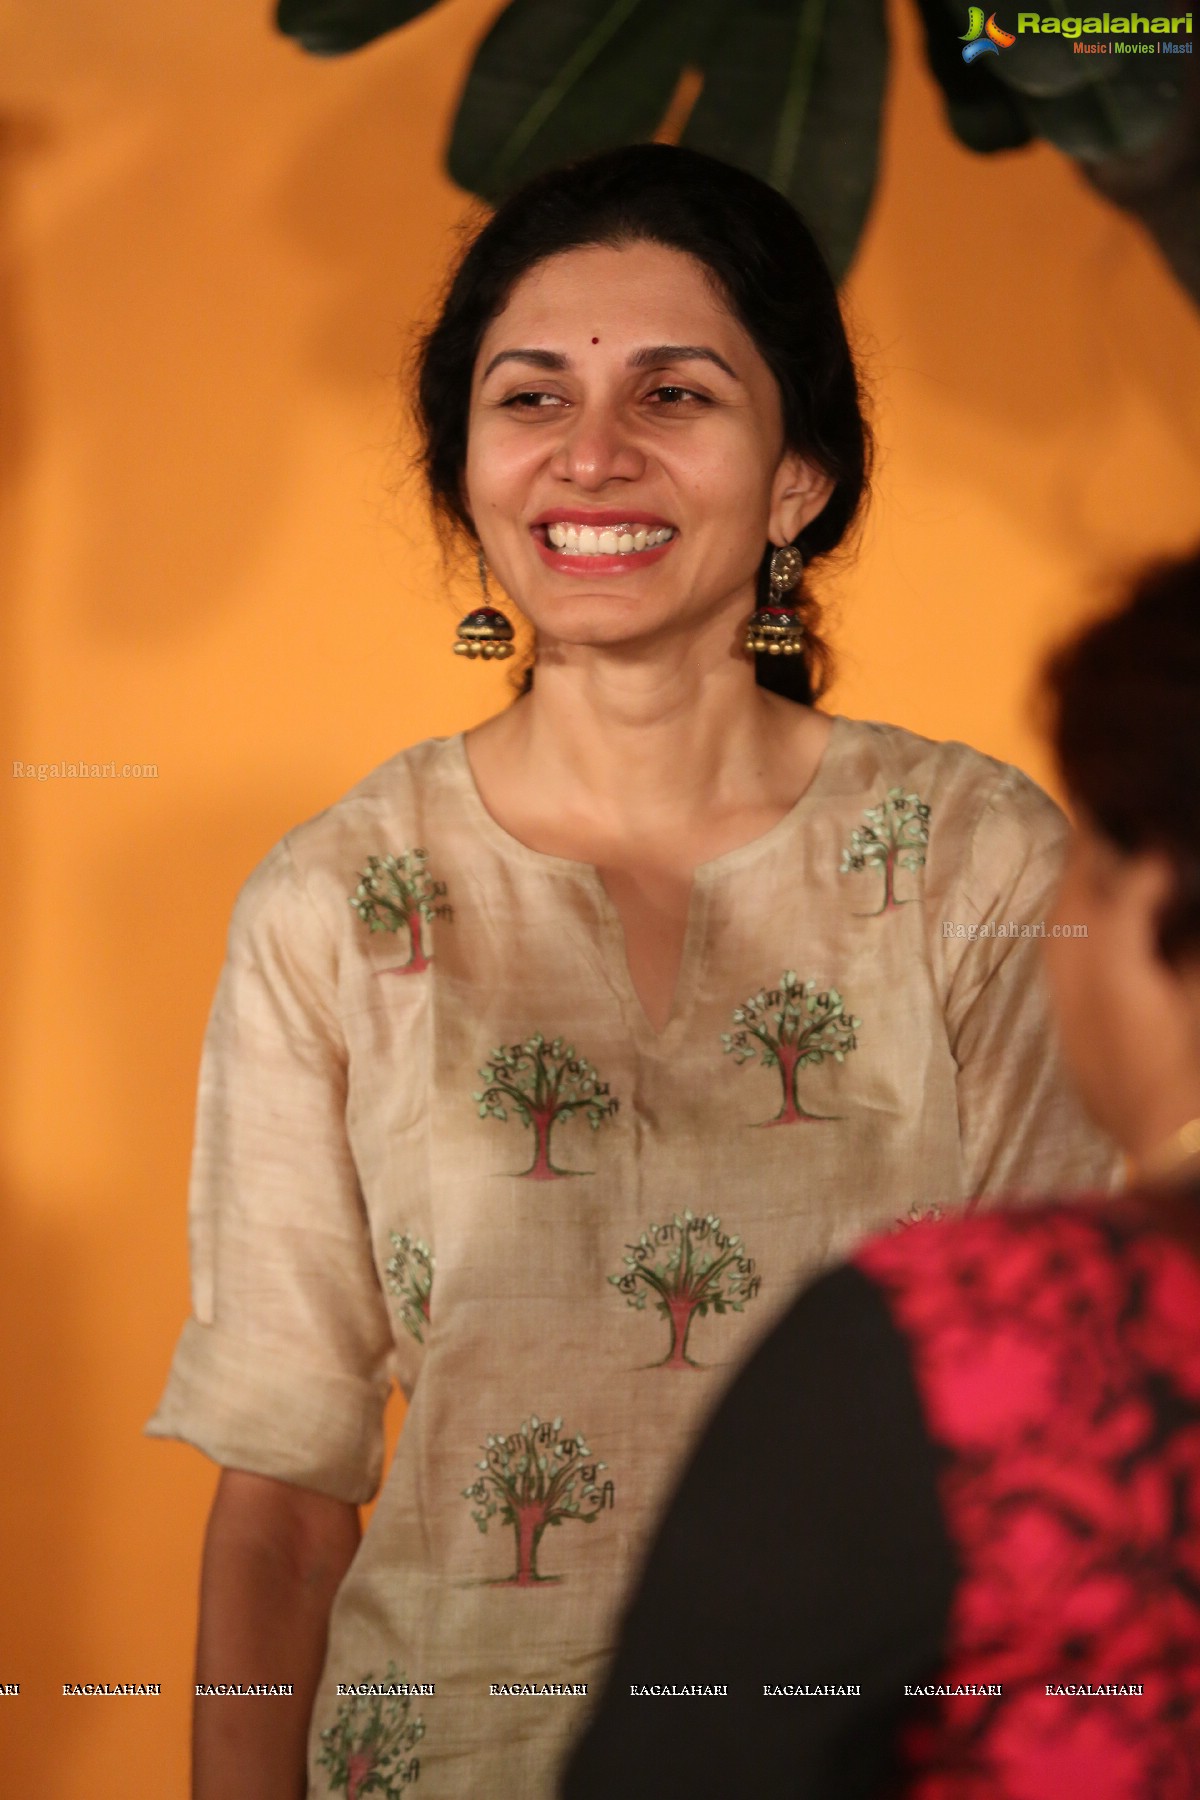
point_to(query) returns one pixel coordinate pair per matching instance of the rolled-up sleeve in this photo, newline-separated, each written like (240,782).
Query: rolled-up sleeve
(283,1368)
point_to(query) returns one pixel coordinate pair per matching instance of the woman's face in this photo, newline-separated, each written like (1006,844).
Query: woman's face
(617,390)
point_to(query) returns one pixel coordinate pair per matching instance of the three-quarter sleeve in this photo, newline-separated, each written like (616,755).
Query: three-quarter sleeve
(283,1367)
(1022,1127)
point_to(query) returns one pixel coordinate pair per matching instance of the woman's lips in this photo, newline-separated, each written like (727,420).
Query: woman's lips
(575,564)
(599,516)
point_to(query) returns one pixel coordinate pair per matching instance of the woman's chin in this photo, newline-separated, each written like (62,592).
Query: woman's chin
(595,621)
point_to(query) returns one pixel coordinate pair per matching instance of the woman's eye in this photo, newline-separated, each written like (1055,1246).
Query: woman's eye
(539,400)
(673,396)
(532,399)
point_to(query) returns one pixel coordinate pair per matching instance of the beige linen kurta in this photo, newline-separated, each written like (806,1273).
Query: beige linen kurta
(451,1151)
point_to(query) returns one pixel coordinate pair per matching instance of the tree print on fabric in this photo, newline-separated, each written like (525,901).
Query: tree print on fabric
(895,836)
(542,1084)
(791,1027)
(367,1751)
(396,893)
(920,1215)
(687,1268)
(532,1479)
(409,1277)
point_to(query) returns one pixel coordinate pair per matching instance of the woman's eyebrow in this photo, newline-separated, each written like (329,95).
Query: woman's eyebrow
(653,356)
(657,354)
(541,359)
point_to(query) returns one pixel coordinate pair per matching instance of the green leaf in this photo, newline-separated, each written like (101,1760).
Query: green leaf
(1123,115)
(331,27)
(793,91)
(1034,64)
(1162,190)
(1091,107)
(558,79)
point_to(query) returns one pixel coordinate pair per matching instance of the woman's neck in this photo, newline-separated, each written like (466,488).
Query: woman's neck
(633,749)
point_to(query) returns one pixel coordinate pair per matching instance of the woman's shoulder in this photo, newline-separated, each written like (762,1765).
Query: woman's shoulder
(1007,1250)
(1003,1309)
(880,752)
(318,862)
(963,795)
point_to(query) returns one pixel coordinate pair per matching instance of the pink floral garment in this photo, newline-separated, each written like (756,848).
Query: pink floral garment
(1057,1354)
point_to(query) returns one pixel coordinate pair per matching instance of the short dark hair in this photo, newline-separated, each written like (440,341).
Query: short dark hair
(767,266)
(1125,706)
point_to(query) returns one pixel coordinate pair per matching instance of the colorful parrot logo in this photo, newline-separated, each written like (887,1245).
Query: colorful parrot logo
(984,39)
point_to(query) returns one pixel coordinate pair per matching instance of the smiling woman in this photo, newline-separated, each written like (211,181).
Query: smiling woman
(765,352)
(615,417)
(633,999)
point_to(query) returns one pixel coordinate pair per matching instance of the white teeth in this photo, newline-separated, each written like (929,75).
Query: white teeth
(609,540)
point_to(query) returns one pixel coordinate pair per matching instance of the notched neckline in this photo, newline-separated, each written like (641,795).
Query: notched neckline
(696,924)
(835,746)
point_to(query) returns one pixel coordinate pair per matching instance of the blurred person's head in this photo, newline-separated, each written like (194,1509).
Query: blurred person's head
(1126,704)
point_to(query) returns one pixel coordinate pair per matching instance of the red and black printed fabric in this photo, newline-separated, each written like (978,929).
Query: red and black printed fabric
(969,1459)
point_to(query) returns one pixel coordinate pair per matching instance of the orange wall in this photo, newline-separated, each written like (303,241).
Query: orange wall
(210,251)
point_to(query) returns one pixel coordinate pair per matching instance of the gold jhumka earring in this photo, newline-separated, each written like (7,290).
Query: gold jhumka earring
(485,632)
(777,627)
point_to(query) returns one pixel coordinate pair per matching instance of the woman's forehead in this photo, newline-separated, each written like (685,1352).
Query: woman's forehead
(631,290)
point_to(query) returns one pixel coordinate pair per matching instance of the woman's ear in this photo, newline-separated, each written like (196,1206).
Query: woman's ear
(798,493)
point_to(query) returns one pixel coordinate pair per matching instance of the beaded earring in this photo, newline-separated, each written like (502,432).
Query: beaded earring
(777,627)
(485,632)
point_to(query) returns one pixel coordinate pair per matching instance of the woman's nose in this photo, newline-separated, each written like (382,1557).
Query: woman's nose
(598,447)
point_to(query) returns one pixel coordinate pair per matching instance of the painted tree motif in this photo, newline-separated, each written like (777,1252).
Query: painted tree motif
(532,1479)
(687,1268)
(396,893)
(920,1215)
(789,1028)
(543,1083)
(895,836)
(367,1749)
(409,1277)
(924,1215)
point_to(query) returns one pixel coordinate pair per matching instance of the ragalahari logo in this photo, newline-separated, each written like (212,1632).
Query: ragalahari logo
(984,38)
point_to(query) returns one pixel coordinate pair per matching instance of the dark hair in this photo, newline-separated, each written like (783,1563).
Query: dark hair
(767,266)
(1125,699)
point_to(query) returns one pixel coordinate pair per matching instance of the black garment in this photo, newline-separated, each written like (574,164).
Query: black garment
(826,1563)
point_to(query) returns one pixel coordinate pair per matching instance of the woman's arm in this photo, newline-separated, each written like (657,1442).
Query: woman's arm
(283,1370)
(274,1557)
